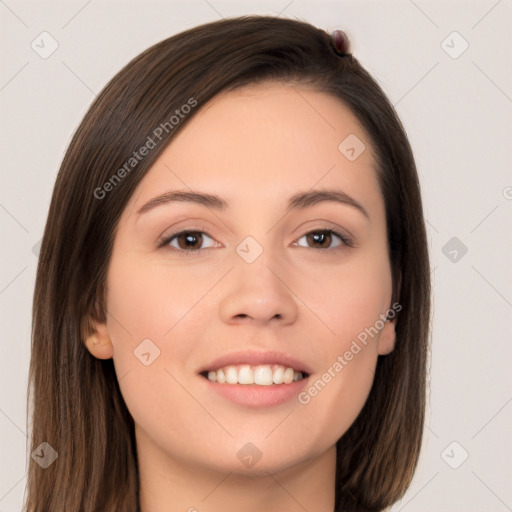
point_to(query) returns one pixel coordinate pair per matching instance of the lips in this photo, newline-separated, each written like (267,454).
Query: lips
(271,372)
(256,358)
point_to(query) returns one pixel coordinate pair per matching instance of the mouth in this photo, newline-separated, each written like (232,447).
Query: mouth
(255,379)
(255,374)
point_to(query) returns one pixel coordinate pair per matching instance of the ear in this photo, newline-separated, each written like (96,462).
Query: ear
(387,338)
(98,341)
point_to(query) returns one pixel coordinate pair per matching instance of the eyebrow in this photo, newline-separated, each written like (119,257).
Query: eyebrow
(297,201)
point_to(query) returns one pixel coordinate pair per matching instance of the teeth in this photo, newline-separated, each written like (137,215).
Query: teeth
(231,375)
(278,375)
(245,375)
(288,375)
(263,375)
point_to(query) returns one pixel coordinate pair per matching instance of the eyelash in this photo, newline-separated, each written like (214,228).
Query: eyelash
(164,241)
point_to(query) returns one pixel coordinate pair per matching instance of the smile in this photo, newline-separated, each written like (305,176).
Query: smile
(262,375)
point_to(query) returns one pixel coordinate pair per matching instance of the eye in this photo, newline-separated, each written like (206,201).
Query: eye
(186,241)
(322,239)
(189,241)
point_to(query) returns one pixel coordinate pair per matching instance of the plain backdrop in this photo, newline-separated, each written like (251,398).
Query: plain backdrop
(446,68)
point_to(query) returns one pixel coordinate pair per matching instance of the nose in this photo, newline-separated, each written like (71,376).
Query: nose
(258,293)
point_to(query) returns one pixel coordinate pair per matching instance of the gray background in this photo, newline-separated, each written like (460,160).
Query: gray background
(457,110)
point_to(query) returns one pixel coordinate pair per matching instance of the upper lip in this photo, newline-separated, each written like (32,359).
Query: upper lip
(254,357)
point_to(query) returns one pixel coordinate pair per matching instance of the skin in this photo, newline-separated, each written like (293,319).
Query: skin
(254,147)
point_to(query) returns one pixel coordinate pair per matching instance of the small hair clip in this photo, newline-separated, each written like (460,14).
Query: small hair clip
(340,42)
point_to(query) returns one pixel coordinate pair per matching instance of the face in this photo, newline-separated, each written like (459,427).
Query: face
(265,274)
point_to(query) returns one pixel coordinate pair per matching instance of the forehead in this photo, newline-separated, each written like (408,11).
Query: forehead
(269,139)
(271,117)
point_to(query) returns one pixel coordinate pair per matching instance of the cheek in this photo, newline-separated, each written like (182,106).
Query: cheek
(148,301)
(349,303)
(343,308)
(151,322)
(334,399)
(349,297)
(155,314)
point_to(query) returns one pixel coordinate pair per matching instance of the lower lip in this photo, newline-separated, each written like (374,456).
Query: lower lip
(254,395)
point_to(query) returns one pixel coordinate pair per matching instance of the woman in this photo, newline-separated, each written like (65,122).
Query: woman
(232,302)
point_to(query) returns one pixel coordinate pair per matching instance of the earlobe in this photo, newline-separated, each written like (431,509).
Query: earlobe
(387,338)
(99,344)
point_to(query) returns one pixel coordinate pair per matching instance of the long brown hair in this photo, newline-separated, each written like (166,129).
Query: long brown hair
(77,405)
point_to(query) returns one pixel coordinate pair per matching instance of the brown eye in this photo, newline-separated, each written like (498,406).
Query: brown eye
(319,239)
(190,240)
(322,239)
(187,241)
